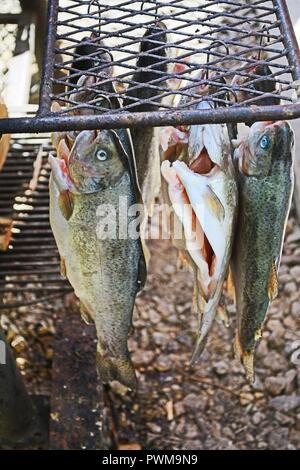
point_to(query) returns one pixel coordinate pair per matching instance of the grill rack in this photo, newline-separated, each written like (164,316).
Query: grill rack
(194,29)
(30,268)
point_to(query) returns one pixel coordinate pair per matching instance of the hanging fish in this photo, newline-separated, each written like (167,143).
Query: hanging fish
(265,184)
(203,192)
(106,273)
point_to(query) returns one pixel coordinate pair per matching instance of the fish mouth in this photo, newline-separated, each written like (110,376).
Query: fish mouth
(203,163)
(189,190)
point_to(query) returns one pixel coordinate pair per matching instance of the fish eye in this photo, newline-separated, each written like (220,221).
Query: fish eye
(265,142)
(101,155)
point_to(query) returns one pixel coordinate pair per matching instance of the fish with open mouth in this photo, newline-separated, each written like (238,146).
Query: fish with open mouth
(203,192)
(105,272)
(265,183)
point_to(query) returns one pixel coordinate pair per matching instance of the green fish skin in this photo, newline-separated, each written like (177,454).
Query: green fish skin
(265,186)
(106,274)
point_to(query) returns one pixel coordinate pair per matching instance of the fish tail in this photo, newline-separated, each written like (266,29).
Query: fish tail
(245,357)
(116,368)
(199,348)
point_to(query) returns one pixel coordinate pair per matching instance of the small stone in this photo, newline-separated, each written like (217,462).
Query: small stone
(285,403)
(295,272)
(262,348)
(294,236)
(275,362)
(290,377)
(295,437)
(297,425)
(275,326)
(154,427)
(246,398)
(262,445)
(284,278)
(283,419)
(169,269)
(192,401)
(142,358)
(19,344)
(295,310)
(290,288)
(290,323)
(163,363)
(179,408)
(257,417)
(154,317)
(221,368)
(275,385)
(278,439)
(160,339)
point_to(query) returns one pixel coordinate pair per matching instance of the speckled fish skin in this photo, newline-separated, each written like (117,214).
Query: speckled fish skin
(106,274)
(265,183)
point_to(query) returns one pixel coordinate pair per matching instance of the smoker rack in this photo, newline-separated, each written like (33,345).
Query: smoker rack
(30,268)
(194,30)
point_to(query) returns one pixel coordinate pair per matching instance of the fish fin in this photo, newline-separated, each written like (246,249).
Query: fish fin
(63,151)
(214,204)
(258,334)
(85,314)
(199,348)
(116,368)
(245,357)
(147,257)
(182,260)
(222,316)
(273,283)
(66,205)
(230,287)
(63,269)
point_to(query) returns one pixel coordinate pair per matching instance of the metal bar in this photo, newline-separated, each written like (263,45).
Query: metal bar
(156,118)
(49,59)
(289,37)
(10,18)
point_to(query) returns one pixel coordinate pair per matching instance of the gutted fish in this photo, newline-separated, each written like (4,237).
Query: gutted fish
(202,190)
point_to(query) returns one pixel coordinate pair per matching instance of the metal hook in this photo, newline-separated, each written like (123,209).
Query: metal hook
(265,28)
(97,3)
(156,9)
(213,44)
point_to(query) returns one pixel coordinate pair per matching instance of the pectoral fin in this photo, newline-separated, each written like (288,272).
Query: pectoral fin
(273,283)
(214,204)
(230,287)
(66,204)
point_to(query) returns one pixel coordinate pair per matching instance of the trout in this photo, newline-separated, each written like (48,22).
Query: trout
(105,272)
(265,184)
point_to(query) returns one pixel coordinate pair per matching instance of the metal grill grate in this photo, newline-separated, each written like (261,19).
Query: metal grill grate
(223,39)
(30,268)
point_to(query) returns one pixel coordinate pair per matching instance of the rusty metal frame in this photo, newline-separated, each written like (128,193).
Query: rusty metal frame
(45,121)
